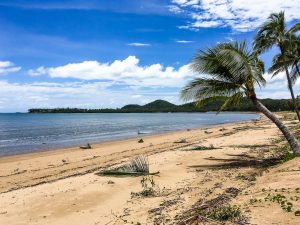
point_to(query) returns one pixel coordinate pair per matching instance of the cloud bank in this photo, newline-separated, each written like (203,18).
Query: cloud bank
(103,85)
(239,15)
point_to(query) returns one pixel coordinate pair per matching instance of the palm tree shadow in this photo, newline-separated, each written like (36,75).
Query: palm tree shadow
(239,161)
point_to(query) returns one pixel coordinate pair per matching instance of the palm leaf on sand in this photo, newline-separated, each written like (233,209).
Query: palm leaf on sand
(138,166)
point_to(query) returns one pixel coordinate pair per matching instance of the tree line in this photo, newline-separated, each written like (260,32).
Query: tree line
(246,105)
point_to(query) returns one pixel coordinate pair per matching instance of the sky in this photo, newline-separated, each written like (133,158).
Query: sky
(106,54)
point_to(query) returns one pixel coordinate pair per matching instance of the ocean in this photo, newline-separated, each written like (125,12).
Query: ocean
(24,133)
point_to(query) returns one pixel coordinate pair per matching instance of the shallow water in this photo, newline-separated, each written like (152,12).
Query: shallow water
(22,133)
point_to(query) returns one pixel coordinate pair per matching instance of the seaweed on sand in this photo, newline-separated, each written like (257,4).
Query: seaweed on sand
(138,166)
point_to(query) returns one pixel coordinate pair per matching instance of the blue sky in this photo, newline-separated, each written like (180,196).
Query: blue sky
(98,53)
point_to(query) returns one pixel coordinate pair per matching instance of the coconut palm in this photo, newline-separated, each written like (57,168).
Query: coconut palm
(274,32)
(231,71)
(292,59)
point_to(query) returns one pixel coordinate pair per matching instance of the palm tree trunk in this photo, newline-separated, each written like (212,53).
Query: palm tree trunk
(290,86)
(292,92)
(294,144)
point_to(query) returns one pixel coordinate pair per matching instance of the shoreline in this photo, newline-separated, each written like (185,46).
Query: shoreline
(32,169)
(62,187)
(74,147)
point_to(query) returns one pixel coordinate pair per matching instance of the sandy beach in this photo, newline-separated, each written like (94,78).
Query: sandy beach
(60,187)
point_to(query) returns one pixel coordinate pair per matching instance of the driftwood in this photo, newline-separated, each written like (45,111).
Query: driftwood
(87,146)
(200,209)
(199,219)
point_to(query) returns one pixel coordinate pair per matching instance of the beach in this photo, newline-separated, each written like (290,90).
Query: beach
(60,187)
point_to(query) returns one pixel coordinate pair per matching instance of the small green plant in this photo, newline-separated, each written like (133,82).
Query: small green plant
(253,200)
(225,213)
(148,187)
(287,155)
(281,200)
(297,213)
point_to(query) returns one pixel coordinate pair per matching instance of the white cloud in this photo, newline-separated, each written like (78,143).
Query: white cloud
(138,44)
(277,87)
(127,71)
(8,67)
(240,15)
(175,9)
(37,72)
(184,41)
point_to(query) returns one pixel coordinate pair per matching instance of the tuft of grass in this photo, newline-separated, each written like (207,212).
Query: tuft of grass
(286,154)
(203,148)
(251,177)
(225,213)
(278,140)
(250,146)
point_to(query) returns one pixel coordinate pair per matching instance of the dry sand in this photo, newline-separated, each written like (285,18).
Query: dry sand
(60,187)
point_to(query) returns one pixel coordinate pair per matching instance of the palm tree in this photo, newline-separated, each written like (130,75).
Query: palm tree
(274,33)
(231,72)
(292,59)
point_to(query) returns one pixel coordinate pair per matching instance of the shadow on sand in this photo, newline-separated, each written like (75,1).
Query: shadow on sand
(239,161)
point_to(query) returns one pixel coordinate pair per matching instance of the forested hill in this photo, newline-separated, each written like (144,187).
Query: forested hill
(165,106)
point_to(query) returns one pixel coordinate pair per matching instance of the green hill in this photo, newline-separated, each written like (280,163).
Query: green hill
(131,106)
(159,104)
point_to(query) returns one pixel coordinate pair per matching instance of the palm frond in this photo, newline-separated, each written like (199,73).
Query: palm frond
(278,65)
(205,88)
(294,28)
(295,72)
(270,33)
(229,71)
(138,166)
(232,100)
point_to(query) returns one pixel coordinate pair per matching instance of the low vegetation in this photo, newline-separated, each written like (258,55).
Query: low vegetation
(149,187)
(225,213)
